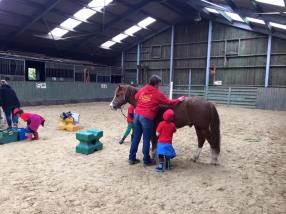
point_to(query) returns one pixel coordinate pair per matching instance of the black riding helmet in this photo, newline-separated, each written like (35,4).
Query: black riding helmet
(154,80)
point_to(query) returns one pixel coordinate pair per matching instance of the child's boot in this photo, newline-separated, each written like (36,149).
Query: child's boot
(122,140)
(168,164)
(36,136)
(30,136)
(160,167)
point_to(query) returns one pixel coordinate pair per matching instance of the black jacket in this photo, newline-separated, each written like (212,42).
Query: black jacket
(8,97)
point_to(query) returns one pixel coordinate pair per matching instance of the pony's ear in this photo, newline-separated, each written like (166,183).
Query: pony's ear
(119,86)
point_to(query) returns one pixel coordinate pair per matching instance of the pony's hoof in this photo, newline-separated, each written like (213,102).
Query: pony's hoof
(214,162)
(194,159)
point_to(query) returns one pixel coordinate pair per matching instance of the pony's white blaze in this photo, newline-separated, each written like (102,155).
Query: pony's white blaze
(111,103)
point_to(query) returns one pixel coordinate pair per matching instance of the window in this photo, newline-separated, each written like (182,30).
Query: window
(279,3)
(234,16)
(83,14)
(211,10)
(99,4)
(258,21)
(35,70)
(58,32)
(146,22)
(33,74)
(273,24)
(130,31)
(119,37)
(70,23)
(107,44)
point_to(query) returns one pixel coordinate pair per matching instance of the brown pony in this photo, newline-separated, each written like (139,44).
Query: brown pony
(191,112)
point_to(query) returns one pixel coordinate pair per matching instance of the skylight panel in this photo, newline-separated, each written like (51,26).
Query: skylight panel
(146,22)
(258,21)
(70,23)
(84,14)
(107,44)
(273,24)
(130,31)
(99,4)
(279,3)
(119,37)
(234,16)
(58,32)
(211,10)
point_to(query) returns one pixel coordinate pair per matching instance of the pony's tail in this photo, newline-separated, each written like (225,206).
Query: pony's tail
(215,129)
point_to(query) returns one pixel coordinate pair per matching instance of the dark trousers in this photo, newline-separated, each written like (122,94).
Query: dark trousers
(10,117)
(141,125)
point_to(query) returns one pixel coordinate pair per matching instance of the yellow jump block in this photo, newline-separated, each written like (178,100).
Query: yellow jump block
(68,125)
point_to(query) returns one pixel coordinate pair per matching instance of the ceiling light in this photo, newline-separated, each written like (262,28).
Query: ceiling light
(145,22)
(70,23)
(84,14)
(234,16)
(119,37)
(58,32)
(258,21)
(279,3)
(211,10)
(130,31)
(107,44)
(273,24)
(99,4)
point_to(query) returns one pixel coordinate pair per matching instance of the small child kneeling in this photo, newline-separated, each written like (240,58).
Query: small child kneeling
(165,150)
(33,122)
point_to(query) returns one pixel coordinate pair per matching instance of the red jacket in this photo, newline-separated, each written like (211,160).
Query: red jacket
(166,130)
(148,99)
(130,115)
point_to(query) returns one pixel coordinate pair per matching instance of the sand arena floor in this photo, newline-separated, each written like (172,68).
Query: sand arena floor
(49,177)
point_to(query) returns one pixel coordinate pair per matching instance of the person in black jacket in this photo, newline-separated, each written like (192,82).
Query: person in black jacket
(9,101)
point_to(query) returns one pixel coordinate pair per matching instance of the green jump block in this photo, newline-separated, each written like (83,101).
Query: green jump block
(8,136)
(98,146)
(98,133)
(88,148)
(90,135)
(84,136)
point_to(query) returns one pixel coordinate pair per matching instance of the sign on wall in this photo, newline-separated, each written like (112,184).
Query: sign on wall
(41,85)
(103,85)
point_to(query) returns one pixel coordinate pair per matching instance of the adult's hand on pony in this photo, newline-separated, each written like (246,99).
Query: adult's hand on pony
(181,99)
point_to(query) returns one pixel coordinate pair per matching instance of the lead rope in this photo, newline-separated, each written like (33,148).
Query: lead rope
(123,105)
(123,113)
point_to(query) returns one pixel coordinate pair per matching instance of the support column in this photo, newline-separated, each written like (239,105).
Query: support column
(138,63)
(122,67)
(172,61)
(268,59)
(209,54)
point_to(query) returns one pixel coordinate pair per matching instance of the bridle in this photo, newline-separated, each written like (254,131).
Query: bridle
(123,113)
(126,101)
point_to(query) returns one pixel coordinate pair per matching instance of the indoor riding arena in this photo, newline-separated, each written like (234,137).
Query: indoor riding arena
(76,76)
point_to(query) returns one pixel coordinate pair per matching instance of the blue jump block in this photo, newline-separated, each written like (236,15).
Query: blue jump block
(22,133)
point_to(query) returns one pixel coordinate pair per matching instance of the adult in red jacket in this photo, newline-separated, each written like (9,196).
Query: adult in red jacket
(148,99)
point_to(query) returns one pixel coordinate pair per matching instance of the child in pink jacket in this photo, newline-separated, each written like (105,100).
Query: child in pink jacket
(33,122)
